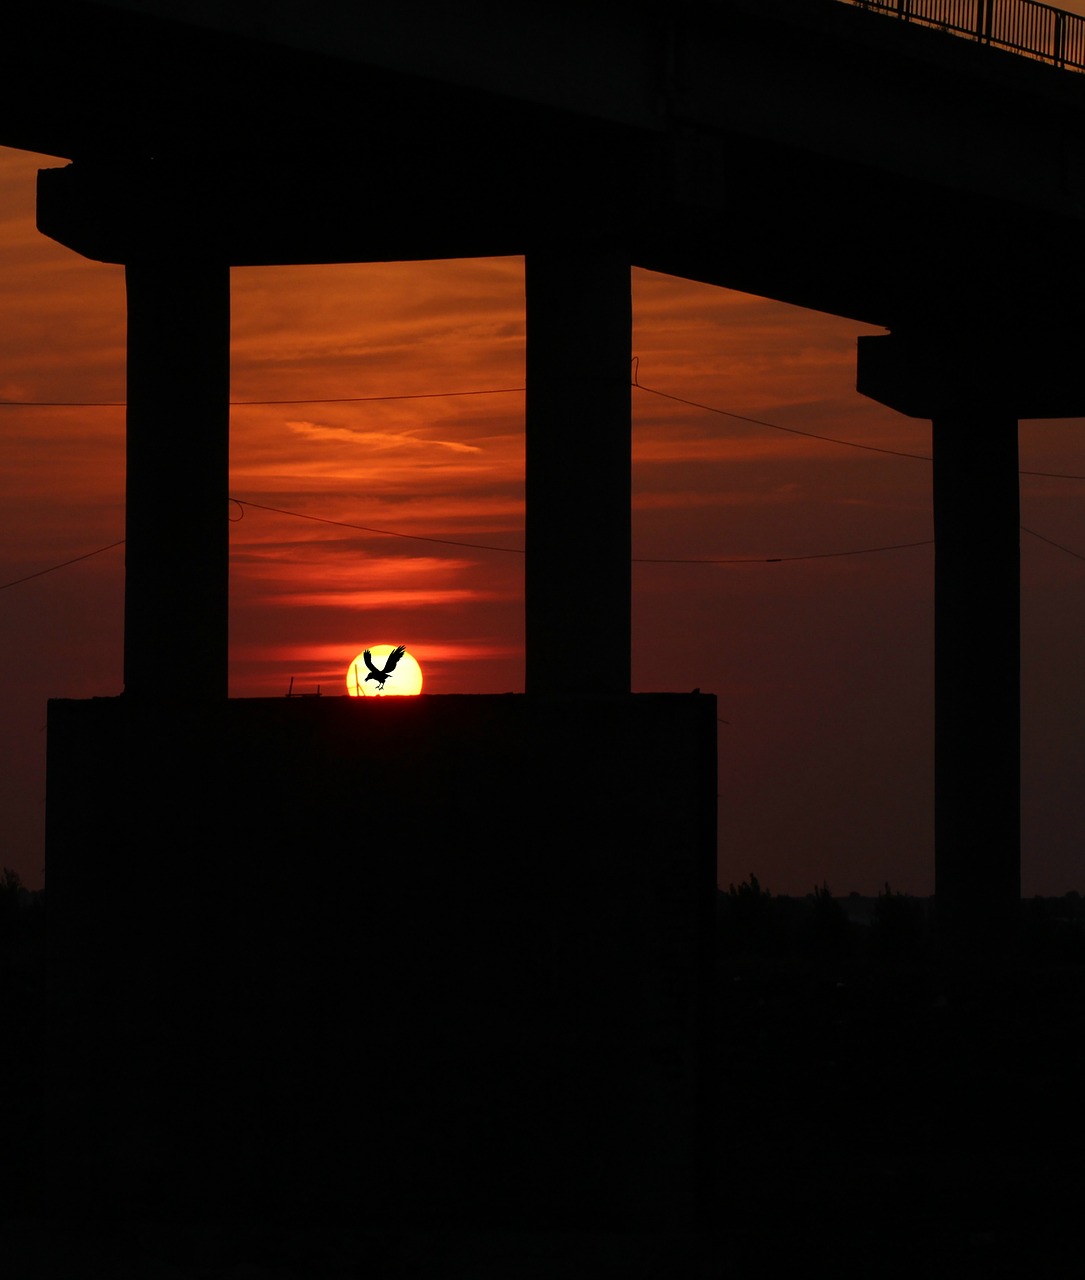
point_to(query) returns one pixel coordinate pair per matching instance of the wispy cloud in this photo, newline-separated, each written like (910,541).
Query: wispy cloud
(382,440)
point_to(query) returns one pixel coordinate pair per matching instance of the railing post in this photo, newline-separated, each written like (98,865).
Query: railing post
(1031,27)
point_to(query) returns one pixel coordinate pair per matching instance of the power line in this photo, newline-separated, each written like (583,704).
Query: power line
(497,391)
(817,555)
(122,404)
(1051,543)
(418,395)
(814,435)
(483,546)
(389,533)
(53,568)
(775,426)
(478,546)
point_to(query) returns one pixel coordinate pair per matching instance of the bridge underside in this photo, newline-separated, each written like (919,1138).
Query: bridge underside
(808,152)
(718,209)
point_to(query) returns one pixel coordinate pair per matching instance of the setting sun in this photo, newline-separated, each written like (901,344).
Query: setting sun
(383,670)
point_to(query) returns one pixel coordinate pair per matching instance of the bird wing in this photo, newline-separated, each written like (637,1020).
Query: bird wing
(392,661)
(369,663)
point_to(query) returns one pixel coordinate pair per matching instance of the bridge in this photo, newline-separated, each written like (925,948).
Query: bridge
(806,150)
(1022,26)
(897,162)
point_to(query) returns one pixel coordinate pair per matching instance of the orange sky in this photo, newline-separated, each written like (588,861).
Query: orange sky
(823,667)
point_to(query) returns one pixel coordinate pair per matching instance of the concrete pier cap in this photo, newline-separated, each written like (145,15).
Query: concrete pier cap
(924,372)
(974,380)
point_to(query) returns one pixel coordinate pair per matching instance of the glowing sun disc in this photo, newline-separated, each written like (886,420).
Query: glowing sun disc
(405,680)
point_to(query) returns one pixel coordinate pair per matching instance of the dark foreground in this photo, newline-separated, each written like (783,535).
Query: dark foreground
(870,1110)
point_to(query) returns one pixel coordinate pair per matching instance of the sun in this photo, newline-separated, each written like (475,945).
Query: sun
(406,679)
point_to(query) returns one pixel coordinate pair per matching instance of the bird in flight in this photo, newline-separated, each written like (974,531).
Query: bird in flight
(380,675)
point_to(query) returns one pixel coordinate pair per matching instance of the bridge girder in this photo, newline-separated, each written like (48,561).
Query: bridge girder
(807,152)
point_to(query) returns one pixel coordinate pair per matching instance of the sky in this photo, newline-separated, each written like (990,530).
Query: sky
(823,667)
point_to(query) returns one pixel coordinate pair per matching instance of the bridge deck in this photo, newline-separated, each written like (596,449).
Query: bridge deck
(811,152)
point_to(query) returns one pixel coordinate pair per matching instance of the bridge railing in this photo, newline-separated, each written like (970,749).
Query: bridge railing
(1024,26)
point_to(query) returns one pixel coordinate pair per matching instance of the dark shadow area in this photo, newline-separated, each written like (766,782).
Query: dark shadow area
(920,1116)
(406,964)
(919,1123)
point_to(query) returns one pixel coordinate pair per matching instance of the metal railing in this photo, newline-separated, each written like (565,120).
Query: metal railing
(1023,26)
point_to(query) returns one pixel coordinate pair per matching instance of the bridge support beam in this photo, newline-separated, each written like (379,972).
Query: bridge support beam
(967,387)
(974,385)
(177,528)
(577,576)
(977,680)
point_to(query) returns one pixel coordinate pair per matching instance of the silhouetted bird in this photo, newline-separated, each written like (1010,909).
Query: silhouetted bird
(389,666)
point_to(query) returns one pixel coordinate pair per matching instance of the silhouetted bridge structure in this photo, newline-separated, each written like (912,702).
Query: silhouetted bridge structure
(1022,26)
(805,150)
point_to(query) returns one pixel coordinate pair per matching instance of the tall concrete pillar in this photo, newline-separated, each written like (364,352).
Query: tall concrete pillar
(972,386)
(977,678)
(177,549)
(578,543)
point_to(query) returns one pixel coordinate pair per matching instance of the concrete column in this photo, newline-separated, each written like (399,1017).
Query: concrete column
(977,678)
(177,551)
(974,383)
(577,574)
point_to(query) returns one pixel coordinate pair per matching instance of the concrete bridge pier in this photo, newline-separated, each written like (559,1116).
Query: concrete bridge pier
(488,1014)
(977,678)
(177,487)
(578,468)
(974,385)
